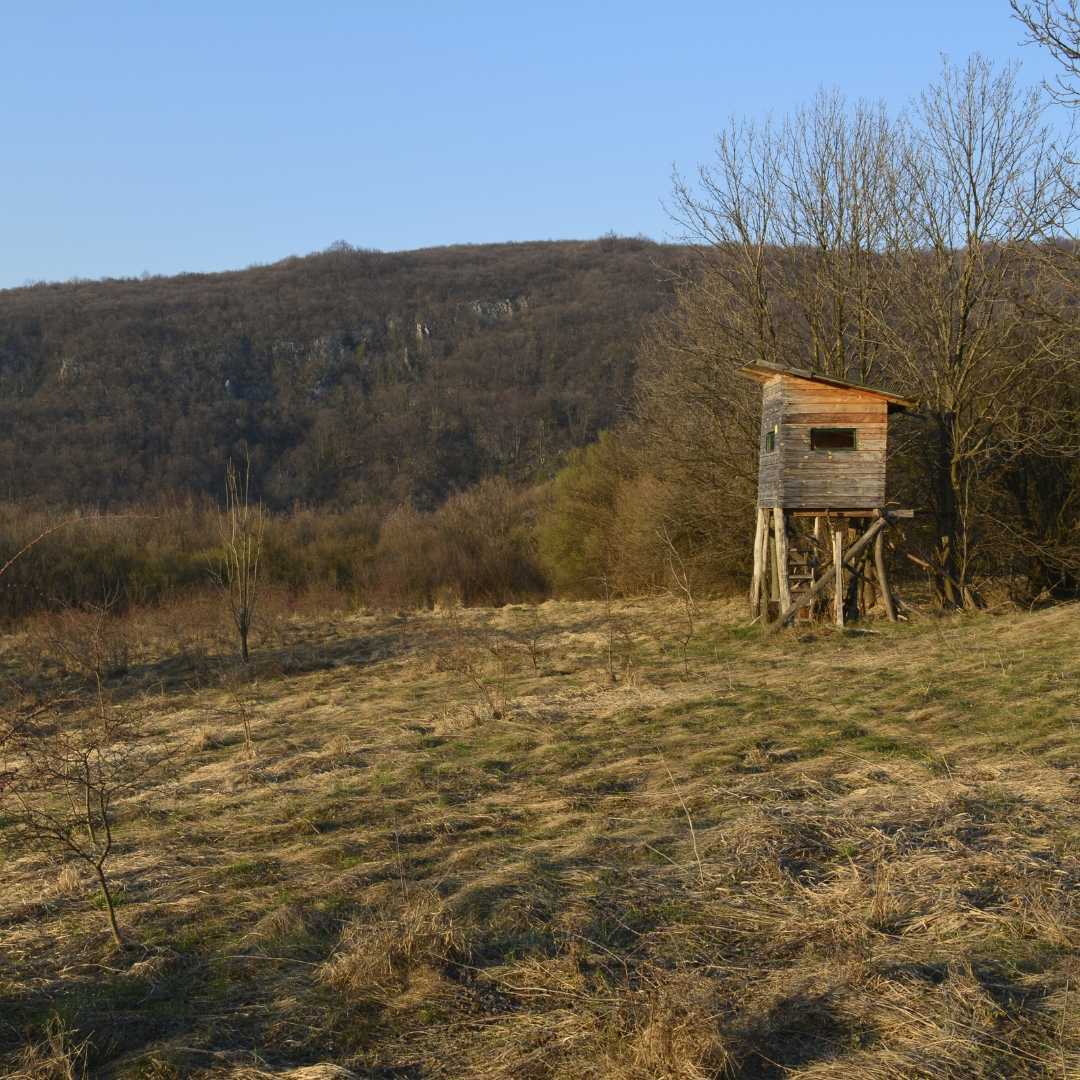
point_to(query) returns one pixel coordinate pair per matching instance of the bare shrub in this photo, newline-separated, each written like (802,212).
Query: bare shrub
(243,711)
(681,591)
(94,641)
(477,548)
(530,638)
(63,779)
(482,659)
(619,653)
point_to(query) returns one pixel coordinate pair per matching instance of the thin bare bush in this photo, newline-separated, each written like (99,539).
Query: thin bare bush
(62,781)
(484,660)
(681,591)
(96,641)
(241,525)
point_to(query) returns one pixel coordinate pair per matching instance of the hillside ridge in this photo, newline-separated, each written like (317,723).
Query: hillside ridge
(352,375)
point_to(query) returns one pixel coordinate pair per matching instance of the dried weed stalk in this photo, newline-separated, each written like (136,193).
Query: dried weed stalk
(242,525)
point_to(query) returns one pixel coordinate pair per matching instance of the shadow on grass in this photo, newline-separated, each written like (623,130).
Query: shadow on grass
(797,1031)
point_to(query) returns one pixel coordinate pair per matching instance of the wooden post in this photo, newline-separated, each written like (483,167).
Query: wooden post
(838,573)
(883,581)
(765,558)
(866,593)
(857,569)
(780,536)
(770,560)
(760,552)
(817,606)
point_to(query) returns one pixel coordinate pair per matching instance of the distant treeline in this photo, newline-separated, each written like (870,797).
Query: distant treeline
(478,547)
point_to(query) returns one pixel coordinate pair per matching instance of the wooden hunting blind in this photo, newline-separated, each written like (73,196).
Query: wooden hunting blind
(822,456)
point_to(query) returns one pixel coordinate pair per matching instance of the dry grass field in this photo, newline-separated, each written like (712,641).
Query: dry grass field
(565,842)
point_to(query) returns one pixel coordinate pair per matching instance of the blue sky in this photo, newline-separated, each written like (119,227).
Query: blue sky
(165,137)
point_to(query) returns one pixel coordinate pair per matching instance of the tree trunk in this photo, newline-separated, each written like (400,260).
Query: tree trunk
(945,580)
(110,908)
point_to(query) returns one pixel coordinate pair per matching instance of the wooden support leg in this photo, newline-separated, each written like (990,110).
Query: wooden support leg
(781,553)
(760,552)
(817,607)
(838,572)
(857,569)
(770,559)
(867,592)
(883,581)
(828,577)
(765,552)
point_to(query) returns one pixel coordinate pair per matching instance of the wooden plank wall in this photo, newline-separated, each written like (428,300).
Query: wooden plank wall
(769,471)
(796,477)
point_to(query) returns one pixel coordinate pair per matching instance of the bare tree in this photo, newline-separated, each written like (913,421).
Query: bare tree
(1055,25)
(792,217)
(62,778)
(242,524)
(976,327)
(93,639)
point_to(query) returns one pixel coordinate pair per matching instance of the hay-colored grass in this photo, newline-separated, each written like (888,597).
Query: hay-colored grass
(448,845)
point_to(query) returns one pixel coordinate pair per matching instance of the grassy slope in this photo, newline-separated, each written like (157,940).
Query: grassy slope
(442,862)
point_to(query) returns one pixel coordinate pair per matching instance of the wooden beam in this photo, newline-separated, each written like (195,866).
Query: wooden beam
(758,578)
(838,574)
(781,552)
(854,570)
(770,560)
(851,513)
(802,595)
(764,541)
(817,607)
(851,604)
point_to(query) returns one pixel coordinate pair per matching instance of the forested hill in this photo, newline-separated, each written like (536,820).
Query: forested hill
(352,375)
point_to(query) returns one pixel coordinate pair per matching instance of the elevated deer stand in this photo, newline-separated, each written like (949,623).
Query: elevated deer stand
(822,462)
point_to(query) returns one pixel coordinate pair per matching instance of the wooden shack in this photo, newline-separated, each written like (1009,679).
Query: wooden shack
(822,456)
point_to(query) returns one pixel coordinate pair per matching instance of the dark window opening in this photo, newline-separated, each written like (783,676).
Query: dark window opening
(770,439)
(828,438)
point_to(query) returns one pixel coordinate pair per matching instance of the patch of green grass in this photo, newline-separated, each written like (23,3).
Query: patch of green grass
(887,746)
(567,755)
(816,745)
(852,731)
(250,871)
